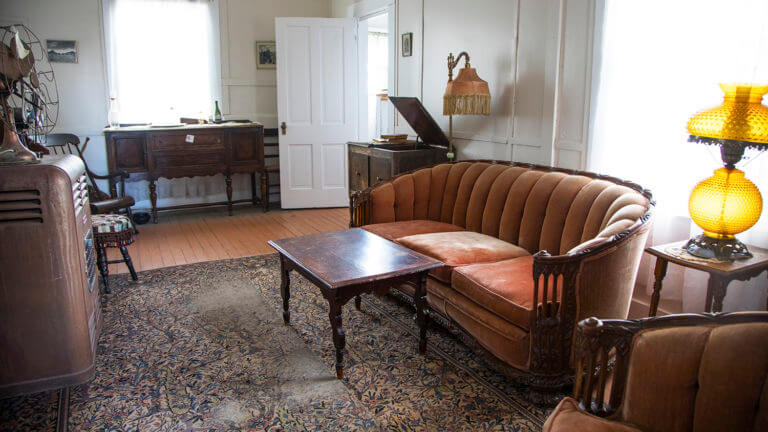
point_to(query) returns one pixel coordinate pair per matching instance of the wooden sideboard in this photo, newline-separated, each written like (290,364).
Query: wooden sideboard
(149,153)
(373,163)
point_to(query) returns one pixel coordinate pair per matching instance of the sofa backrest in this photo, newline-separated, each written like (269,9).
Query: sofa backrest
(698,378)
(537,209)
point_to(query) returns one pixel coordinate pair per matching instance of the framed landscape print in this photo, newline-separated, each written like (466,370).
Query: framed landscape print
(266,55)
(407,43)
(61,51)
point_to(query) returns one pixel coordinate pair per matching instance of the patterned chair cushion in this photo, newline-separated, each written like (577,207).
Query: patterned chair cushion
(110,223)
(110,230)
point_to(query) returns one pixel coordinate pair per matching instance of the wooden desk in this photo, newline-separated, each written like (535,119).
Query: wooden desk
(720,273)
(148,153)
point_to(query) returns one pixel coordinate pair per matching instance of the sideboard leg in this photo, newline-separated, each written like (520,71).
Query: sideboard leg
(228,180)
(254,200)
(265,191)
(153,199)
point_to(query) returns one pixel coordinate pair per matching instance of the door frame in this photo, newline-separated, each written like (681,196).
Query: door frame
(361,11)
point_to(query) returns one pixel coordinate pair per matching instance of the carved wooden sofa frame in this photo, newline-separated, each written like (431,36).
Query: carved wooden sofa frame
(555,321)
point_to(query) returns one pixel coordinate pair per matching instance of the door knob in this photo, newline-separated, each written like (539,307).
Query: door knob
(283,127)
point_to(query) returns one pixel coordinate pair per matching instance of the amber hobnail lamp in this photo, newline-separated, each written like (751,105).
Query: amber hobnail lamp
(727,203)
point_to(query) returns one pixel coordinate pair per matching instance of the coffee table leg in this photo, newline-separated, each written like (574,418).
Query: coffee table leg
(285,289)
(339,339)
(421,318)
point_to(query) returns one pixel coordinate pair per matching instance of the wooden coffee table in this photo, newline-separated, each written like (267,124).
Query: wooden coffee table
(345,264)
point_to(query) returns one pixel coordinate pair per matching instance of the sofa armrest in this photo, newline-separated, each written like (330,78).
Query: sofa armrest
(360,208)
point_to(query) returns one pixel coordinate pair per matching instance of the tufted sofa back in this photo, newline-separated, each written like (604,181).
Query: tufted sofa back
(699,378)
(531,207)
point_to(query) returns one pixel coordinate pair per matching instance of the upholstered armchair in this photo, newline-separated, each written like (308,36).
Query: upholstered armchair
(669,374)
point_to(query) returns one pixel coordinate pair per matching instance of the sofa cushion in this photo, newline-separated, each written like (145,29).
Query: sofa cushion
(568,417)
(500,337)
(395,230)
(460,248)
(504,288)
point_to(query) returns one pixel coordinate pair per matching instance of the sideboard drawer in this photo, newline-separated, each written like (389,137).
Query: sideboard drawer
(179,143)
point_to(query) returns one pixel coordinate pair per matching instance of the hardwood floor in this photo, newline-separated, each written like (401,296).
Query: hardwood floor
(190,236)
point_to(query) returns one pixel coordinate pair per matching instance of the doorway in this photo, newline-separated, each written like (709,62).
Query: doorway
(376,71)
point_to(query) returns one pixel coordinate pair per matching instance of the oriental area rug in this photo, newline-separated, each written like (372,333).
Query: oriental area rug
(203,347)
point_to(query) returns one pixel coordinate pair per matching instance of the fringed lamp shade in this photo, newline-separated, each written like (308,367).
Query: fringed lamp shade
(727,203)
(467,94)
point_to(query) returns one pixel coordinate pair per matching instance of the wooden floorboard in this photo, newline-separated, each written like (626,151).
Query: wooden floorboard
(190,236)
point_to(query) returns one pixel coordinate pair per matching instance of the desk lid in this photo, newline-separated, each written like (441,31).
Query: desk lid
(420,120)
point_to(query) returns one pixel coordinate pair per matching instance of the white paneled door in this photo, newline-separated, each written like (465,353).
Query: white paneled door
(316,109)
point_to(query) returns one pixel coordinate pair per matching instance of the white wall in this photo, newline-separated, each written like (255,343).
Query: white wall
(246,91)
(249,92)
(82,89)
(536,56)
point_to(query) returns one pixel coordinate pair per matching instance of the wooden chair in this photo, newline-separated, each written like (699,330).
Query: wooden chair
(273,167)
(101,203)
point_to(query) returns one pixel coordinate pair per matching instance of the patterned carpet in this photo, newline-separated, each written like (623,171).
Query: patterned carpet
(203,347)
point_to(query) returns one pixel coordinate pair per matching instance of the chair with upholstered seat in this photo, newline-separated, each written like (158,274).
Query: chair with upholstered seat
(101,203)
(673,373)
(112,231)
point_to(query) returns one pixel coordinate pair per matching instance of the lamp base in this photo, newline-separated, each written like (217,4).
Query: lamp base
(704,246)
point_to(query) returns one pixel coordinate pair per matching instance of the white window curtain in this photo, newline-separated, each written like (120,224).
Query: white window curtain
(163,58)
(659,62)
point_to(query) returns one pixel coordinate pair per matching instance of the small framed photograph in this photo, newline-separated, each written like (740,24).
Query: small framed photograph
(266,55)
(407,43)
(61,51)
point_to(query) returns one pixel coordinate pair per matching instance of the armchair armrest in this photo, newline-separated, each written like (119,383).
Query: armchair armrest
(121,174)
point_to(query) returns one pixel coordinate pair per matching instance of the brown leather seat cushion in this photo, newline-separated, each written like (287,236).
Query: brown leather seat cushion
(395,230)
(461,248)
(567,417)
(504,288)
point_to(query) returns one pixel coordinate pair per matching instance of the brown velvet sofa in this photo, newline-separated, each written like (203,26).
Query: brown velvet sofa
(528,250)
(670,374)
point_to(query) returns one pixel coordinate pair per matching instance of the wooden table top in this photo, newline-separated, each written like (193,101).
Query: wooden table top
(351,257)
(759,260)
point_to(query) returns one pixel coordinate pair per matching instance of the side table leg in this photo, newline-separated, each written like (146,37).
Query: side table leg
(717,287)
(357,302)
(285,289)
(228,180)
(153,199)
(339,339)
(659,272)
(420,299)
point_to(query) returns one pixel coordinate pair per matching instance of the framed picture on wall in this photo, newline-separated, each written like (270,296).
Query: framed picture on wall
(61,51)
(266,55)
(407,44)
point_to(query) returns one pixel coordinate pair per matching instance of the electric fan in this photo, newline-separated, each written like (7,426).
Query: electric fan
(29,100)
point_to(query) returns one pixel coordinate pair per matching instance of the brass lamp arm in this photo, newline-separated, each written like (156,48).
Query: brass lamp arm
(453,62)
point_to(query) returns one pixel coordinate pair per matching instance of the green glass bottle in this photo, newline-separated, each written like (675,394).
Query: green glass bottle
(217,113)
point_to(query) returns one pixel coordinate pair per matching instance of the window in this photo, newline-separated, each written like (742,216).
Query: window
(162,58)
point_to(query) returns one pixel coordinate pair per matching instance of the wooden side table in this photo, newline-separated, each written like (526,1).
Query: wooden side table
(720,273)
